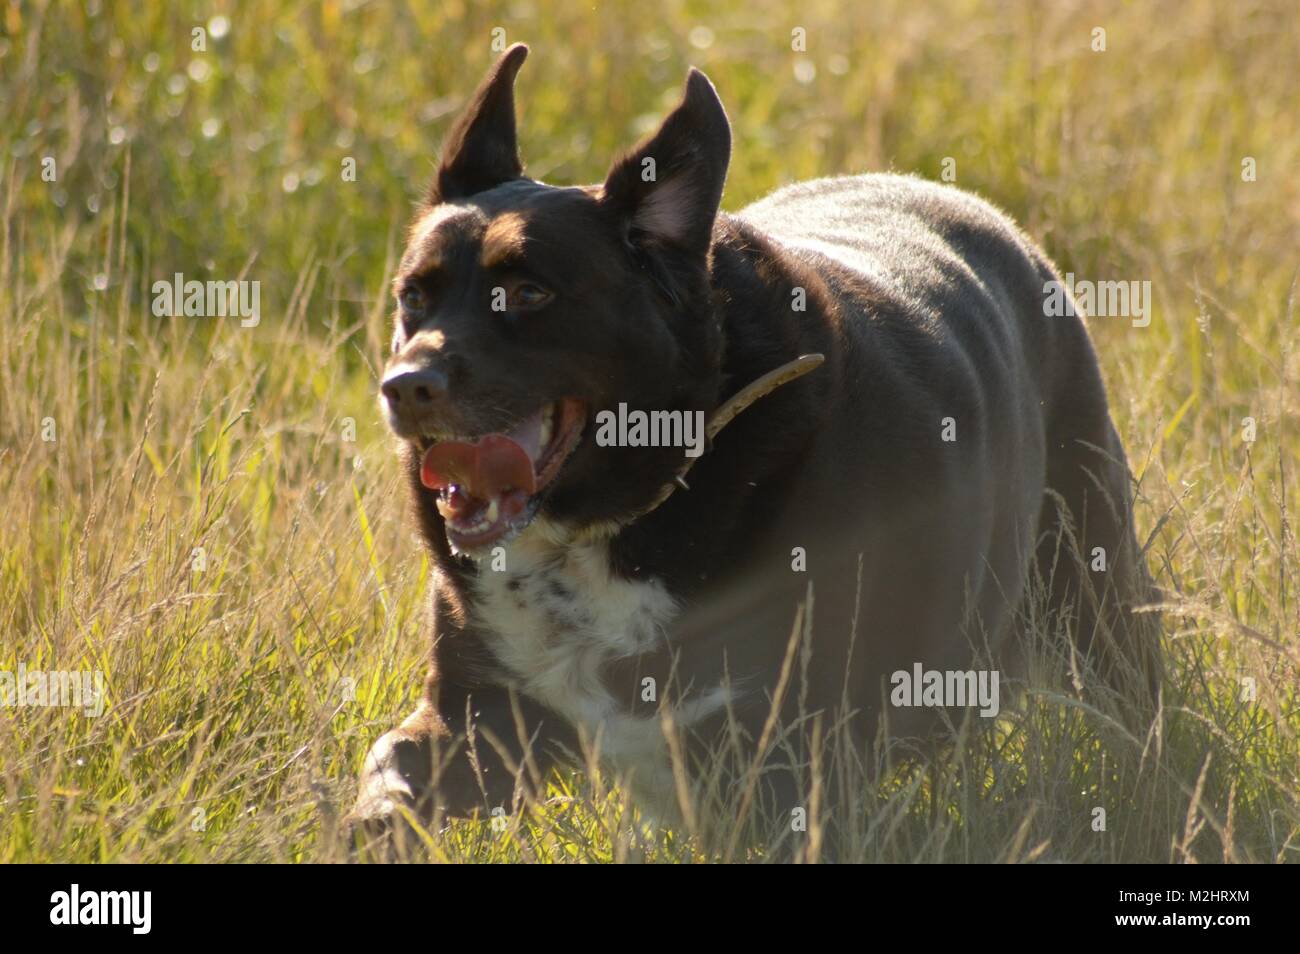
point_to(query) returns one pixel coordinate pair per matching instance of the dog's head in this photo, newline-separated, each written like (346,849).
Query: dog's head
(524,309)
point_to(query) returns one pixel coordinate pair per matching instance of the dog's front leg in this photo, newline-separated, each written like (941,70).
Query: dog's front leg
(461,753)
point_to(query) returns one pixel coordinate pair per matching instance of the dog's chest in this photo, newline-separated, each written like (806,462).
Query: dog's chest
(555,616)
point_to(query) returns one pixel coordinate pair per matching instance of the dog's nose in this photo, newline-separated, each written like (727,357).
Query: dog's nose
(412,390)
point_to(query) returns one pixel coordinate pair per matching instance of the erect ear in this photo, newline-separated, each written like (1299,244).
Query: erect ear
(667,189)
(481,150)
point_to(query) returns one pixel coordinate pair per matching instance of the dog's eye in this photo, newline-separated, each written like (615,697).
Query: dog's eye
(526,296)
(411,298)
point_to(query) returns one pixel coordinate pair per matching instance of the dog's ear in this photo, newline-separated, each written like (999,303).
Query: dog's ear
(667,189)
(481,150)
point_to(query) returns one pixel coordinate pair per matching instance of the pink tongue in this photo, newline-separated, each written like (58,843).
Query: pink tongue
(487,468)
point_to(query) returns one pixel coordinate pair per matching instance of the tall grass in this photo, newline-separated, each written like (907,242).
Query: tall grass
(203,529)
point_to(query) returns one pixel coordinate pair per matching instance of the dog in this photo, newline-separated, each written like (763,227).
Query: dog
(890,441)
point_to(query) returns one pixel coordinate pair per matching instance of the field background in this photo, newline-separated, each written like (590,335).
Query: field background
(243,696)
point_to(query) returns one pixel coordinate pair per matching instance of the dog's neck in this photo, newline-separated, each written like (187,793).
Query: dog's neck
(725,413)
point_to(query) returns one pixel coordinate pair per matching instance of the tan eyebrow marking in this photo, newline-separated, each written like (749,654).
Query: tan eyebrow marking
(504,240)
(415,264)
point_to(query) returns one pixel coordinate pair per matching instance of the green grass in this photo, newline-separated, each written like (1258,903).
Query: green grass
(250,690)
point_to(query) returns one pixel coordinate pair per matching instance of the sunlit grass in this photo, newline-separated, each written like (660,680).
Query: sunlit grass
(243,694)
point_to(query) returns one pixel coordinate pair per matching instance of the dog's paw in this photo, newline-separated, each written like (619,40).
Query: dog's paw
(392,836)
(385,822)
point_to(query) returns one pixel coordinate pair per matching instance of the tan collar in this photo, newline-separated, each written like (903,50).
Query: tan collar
(726,412)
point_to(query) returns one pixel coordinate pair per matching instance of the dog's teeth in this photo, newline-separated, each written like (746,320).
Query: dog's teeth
(493,511)
(548,425)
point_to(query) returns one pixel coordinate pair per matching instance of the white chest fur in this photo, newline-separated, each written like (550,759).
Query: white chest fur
(555,616)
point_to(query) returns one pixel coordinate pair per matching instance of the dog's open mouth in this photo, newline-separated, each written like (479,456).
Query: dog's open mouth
(491,487)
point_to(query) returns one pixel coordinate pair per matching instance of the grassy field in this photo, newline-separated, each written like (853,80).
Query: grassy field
(209,514)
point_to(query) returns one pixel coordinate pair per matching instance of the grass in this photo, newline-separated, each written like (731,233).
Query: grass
(217,524)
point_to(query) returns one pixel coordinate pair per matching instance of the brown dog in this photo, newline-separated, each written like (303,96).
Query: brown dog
(557,352)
